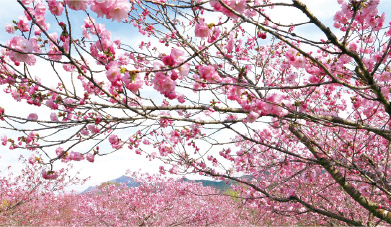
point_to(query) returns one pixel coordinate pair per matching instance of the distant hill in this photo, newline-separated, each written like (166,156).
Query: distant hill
(220,185)
(126,180)
(123,179)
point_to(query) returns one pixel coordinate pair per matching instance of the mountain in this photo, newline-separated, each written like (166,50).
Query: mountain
(123,179)
(220,185)
(126,180)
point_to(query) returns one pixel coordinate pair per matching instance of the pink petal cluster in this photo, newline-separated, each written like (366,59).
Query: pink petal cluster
(165,82)
(295,58)
(90,157)
(53,117)
(23,47)
(10,28)
(252,117)
(202,30)
(115,141)
(367,17)
(112,9)
(3,140)
(132,81)
(32,159)
(214,35)
(78,4)
(33,117)
(237,5)
(209,73)
(113,72)
(165,85)
(55,7)
(75,156)
(49,175)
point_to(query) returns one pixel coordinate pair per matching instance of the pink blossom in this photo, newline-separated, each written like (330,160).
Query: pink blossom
(101,7)
(33,117)
(168,85)
(4,140)
(174,137)
(78,4)
(53,117)
(262,35)
(68,67)
(353,47)
(177,55)
(252,117)
(112,9)
(168,60)
(30,138)
(119,10)
(32,159)
(56,7)
(22,45)
(113,72)
(174,75)
(59,151)
(10,28)
(174,170)
(26,2)
(55,54)
(184,70)
(146,142)
(75,156)
(386,92)
(215,35)
(216,5)
(181,98)
(52,105)
(135,85)
(164,84)
(161,170)
(49,175)
(209,73)
(113,139)
(238,5)
(40,10)
(299,62)
(23,24)
(202,30)
(164,122)
(84,132)
(232,117)
(93,129)
(90,157)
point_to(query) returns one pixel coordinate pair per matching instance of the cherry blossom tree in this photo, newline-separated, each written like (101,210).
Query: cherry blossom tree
(159,201)
(156,201)
(219,88)
(25,198)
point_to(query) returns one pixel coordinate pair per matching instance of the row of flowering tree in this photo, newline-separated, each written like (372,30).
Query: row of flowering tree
(216,87)
(27,198)
(156,201)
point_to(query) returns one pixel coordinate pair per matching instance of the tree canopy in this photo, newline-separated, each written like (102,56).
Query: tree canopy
(220,88)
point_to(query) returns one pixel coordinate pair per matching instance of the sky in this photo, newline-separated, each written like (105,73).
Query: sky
(104,168)
(115,165)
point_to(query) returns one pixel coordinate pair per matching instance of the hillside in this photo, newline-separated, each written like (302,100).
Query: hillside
(220,185)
